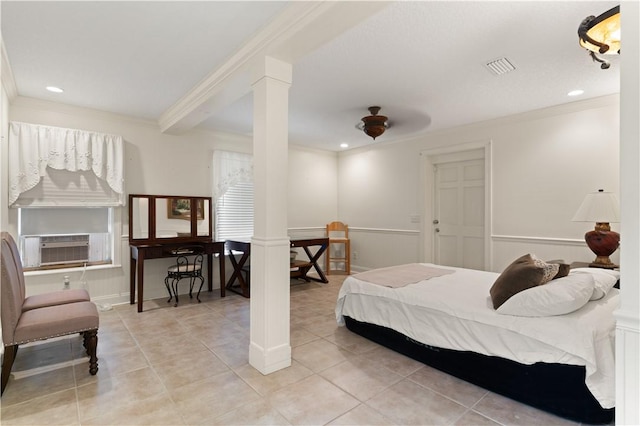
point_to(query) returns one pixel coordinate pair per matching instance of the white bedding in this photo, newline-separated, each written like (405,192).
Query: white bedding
(455,312)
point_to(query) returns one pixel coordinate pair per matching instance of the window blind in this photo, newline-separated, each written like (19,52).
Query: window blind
(63,188)
(234,213)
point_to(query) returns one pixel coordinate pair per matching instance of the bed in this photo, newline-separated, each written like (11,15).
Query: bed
(445,317)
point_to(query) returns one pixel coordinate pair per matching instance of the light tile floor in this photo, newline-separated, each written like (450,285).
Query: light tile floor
(189,365)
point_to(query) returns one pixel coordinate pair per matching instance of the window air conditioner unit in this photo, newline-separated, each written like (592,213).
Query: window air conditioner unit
(60,249)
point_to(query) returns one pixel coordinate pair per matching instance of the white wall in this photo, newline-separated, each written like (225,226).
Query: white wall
(313,186)
(4,154)
(157,163)
(377,194)
(542,163)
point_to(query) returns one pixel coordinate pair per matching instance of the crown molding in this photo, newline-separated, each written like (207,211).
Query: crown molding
(78,111)
(8,82)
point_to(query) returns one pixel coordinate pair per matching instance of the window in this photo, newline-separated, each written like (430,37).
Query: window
(233,195)
(234,213)
(66,220)
(68,187)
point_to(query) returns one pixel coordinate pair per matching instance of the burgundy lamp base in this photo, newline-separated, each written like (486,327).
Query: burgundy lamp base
(603,242)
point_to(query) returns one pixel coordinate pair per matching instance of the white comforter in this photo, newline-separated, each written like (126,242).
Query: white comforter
(454,311)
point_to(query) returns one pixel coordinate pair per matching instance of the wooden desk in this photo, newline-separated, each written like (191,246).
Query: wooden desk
(141,252)
(322,244)
(239,266)
(302,267)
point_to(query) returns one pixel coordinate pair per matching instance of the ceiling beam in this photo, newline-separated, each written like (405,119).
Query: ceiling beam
(298,30)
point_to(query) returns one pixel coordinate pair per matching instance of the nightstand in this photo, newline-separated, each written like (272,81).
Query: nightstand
(588,265)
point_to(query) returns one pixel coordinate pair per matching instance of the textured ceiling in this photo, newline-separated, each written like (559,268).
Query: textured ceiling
(134,58)
(422,62)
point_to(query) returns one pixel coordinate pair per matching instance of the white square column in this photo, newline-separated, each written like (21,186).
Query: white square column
(270,347)
(628,314)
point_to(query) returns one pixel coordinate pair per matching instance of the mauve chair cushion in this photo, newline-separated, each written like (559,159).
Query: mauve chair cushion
(55,298)
(43,323)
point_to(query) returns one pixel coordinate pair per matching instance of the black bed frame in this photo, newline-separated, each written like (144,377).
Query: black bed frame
(556,388)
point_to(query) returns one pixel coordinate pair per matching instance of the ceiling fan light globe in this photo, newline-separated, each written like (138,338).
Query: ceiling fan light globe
(375,130)
(374,125)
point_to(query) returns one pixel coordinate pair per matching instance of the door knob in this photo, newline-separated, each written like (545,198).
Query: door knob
(437,229)
(436,221)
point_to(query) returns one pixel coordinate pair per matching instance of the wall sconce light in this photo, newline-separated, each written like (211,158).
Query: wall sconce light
(373,125)
(600,207)
(601,35)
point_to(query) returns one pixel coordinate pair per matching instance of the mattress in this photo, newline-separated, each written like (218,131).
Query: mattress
(454,311)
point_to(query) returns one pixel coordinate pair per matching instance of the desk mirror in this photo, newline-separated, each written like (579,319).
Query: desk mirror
(169,217)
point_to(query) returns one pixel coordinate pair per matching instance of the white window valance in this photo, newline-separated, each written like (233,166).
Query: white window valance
(33,148)
(230,168)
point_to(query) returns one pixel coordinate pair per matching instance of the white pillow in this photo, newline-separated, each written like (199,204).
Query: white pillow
(604,279)
(557,297)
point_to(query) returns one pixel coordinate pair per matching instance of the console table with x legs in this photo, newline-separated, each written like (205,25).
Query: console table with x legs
(314,248)
(306,244)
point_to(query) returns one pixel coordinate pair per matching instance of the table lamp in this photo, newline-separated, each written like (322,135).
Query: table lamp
(600,207)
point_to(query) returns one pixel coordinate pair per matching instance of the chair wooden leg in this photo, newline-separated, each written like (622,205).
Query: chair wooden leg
(7,363)
(91,343)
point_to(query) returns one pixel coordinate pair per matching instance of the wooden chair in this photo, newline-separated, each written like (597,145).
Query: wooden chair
(28,319)
(338,234)
(185,268)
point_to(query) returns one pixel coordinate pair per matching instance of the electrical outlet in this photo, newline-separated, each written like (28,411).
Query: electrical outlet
(355,255)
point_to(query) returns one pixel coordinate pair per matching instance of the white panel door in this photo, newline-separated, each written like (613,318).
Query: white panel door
(458,223)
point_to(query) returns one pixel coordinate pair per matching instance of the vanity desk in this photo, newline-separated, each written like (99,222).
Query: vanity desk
(162,226)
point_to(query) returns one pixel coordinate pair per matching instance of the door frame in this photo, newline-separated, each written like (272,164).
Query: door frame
(427,196)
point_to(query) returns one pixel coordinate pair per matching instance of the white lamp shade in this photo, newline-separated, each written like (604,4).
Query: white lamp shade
(598,207)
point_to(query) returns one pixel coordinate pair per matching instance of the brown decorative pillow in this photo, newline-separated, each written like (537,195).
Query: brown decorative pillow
(563,267)
(563,270)
(550,269)
(522,274)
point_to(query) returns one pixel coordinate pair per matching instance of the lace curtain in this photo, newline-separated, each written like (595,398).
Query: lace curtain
(33,148)
(230,168)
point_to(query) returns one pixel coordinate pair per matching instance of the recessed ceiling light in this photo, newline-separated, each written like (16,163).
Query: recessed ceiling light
(575,92)
(54,89)
(344,145)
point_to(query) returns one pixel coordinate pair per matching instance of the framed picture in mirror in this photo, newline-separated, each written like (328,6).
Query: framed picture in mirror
(180,208)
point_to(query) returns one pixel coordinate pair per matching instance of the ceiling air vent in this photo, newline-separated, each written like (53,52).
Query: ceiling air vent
(500,66)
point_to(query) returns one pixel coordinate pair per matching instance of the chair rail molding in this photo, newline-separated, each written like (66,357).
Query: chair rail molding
(539,240)
(359,229)
(386,231)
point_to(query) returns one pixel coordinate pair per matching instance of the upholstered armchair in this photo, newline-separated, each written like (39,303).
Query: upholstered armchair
(28,319)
